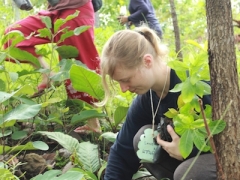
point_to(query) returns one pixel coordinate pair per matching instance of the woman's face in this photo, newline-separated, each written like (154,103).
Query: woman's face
(138,80)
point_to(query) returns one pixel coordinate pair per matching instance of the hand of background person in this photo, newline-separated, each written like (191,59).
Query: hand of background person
(172,148)
(122,19)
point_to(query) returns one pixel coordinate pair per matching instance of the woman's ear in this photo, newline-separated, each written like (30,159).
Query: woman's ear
(148,60)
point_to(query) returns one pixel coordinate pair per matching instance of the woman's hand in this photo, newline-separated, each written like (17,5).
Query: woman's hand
(172,148)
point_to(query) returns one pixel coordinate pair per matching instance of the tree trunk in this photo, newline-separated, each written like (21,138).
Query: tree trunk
(176,30)
(224,83)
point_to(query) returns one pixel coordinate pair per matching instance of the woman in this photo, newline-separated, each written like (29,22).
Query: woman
(135,59)
(141,11)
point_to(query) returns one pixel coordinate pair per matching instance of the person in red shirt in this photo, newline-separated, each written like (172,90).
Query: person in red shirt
(84,43)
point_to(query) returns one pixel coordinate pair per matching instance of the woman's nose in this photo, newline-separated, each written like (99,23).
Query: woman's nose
(124,87)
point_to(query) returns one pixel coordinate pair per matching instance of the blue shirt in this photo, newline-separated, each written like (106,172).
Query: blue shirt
(143,11)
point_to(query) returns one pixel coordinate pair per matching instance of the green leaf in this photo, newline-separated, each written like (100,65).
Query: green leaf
(64,140)
(65,35)
(57,175)
(40,145)
(22,55)
(119,114)
(7,123)
(85,80)
(188,92)
(186,143)
(49,175)
(22,111)
(15,36)
(200,141)
(110,136)
(5,96)
(59,22)
(177,88)
(77,31)
(5,174)
(67,51)
(5,133)
(85,115)
(88,155)
(28,146)
(45,33)
(87,174)
(47,21)
(217,126)
(19,135)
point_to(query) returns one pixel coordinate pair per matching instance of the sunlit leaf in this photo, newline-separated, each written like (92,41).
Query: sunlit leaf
(186,143)
(22,111)
(110,136)
(119,114)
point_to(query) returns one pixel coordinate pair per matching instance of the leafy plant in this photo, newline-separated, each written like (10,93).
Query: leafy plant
(189,120)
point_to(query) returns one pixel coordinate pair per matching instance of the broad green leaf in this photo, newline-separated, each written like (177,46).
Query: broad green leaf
(200,141)
(5,133)
(110,136)
(66,35)
(77,31)
(195,44)
(51,101)
(70,175)
(87,174)
(15,36)
(47,21)
(177,88)
(5,174)
(188,92)
(217,126)
(19,135)
(2,85)
(64,140)
(57,175)
(85,80)
(102,169)
(67,51)
(45,33)
(40,145)
(85,115)
(88,155)
(49,175)
(59,22)
(171,113)
(13,76)
(7,123)
(25,90)
(119,114)
(198,124)
(22,55)
(186,143)
(5,96)
(28,146)
(22,111)
(178,65)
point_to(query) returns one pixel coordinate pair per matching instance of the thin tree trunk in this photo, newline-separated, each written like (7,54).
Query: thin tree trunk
(225,88)
(176,30)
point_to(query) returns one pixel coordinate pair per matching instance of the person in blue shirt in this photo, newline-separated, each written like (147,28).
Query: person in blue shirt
(141,11)
(135,59)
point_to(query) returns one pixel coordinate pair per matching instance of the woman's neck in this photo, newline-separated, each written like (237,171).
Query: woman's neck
(162,84)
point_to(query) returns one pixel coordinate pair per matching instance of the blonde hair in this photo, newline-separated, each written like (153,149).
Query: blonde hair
(126,48)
